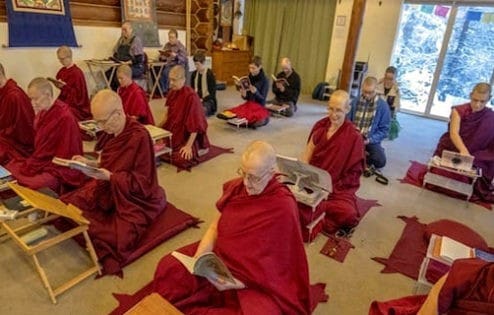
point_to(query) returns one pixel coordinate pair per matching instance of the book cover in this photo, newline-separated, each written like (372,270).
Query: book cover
(4,173)
(77,165)
(484,255)
(56,82)
(280,80)
(242,82)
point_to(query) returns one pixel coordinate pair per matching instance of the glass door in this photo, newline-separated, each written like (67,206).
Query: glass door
(441,52)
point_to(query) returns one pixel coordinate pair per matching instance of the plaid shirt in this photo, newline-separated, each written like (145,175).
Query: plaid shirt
(364,115)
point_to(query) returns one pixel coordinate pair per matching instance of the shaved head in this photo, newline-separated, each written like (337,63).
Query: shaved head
(125,70)
(107,110)
(176,77)
(40,93)
(178,71)
(260,153)
(285,62)
(42,85)
(64,51)
(341,96)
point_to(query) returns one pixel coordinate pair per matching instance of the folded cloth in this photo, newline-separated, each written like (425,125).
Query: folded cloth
(336,248)
(226,115)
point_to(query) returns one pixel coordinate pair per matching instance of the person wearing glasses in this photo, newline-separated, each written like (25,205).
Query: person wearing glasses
(16,120)
(123,196)
(186,120)
(56,135)
(134,99)
(72,84)
(371,116)
(256,234)
(336,146)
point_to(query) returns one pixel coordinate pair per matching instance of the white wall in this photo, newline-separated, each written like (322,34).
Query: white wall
(376,37)
(24,64)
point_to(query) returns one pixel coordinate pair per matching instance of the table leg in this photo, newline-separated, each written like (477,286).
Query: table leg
(44,278)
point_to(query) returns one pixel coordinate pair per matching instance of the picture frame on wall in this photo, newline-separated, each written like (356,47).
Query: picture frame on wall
(226,18)
(142,15)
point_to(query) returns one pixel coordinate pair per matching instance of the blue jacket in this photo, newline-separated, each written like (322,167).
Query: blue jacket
(380,124)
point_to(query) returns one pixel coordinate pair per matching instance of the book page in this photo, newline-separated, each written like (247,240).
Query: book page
(452,250)
(210,266)
(187,261)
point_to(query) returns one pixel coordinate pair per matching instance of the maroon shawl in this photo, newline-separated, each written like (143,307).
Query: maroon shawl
(135,103)
(16,122)
(260,242)
(121,209)
(74,93)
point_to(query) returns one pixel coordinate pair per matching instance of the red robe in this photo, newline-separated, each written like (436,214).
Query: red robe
(75,93)
(121,210)
(135,103)
(468,290)
(16,123)
(260,242)
(185,116)
(343,157)
(56,135)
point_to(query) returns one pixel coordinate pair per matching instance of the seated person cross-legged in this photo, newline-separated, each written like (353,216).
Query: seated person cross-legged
(286,88)
(134,99)
(471,132)
(371,116)
(257,236)
(254,91)
(466,289)
(123,197)
(186,120)
(16,121)
(56,135)
(336,146)
(204,83)
(128,50)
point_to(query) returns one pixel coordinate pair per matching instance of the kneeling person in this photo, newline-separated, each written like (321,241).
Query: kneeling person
(124,197)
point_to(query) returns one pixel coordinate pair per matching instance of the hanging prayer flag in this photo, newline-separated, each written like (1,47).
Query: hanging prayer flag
(40,23)
(441,11)
(427,8)
(473,15)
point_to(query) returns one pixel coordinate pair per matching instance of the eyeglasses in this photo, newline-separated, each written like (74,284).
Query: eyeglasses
(252,178)
(102,122)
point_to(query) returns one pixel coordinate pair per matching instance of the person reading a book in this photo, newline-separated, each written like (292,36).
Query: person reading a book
(387,88)
(254,93)
(467,289)
(123,197)
(16,121)
(134,99)
(286,88)
(371,116)
(185,119)
(72,84)
(204,83)
(336,146)
(173,53)
(256,234)
(471,132)
(129,50)
(56,135)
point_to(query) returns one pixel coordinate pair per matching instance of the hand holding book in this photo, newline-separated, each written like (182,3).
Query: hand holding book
(84,165)
(58,83)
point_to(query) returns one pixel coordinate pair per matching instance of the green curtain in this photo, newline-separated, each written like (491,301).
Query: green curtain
(297,29)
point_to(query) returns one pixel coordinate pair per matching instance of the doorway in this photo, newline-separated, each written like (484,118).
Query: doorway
(441,52)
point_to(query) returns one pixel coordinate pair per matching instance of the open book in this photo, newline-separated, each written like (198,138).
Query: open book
(165,52)
(242,82)
(280,80)
(450,250)
(77,165)
(56,82)
(207,265)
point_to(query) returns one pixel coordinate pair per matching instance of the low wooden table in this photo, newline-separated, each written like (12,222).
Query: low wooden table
(155,68)
(96,66)
(153,304)
(160,136)
(48,209)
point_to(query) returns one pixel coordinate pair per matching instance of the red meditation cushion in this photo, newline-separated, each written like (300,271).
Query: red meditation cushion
(456,231)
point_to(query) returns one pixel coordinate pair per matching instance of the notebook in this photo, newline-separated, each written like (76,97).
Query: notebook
(457,161)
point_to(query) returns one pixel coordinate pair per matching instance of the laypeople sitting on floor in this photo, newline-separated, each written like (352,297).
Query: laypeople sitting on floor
(471,132)
(256,233)
(128,50)
(123,197)
(254,91)
(286,89)
(467,289)
(16,121)
(186,120)
(173,53)
(371,116)
(336,146)
(56,135)
(72,84)
(204,83)
(134,99)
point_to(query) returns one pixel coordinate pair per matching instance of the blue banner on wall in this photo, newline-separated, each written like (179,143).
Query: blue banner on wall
(44,23)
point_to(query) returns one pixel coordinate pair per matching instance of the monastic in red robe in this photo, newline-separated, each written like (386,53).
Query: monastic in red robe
(135,103)
(468,289)
(56,135)
(121,210)
(477,133)
(342,156)
(185,116)
(74,93)
(16,123)
(260,241)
